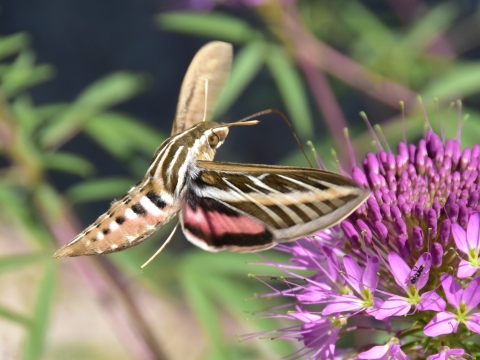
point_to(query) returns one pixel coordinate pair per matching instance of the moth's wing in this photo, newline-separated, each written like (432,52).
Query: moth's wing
(245,207)
(213,62)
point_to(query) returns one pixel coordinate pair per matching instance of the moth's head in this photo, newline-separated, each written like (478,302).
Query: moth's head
(212,137)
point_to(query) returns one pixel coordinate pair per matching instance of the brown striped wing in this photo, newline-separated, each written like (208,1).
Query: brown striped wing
(212,62)
(247,207)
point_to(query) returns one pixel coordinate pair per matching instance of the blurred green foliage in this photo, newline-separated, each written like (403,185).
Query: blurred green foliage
(31,140)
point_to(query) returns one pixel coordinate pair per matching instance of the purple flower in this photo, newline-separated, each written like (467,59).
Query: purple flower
(411,281)
(364,284)
(464,302)
(401,265)
(446,353)
(468,242)
(390,351)
(318,333)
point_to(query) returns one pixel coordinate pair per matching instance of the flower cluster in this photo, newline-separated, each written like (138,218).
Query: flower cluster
(403,267)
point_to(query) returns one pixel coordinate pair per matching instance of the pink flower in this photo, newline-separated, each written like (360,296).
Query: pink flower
(411,281)
(464,301)
(364,284)
(448,354)
(468,242)
(390,351)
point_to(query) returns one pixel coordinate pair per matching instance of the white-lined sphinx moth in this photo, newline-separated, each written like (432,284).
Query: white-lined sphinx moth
(241,207)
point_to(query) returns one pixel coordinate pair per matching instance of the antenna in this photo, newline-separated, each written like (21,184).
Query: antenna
(206,101)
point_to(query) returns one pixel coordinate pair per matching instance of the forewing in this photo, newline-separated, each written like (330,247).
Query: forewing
(213,62)
(251,207)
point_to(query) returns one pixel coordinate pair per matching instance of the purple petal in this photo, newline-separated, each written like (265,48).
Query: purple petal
(472,232)
(460,237)
(445,230)
(307,317)
(354,272)
(473,322)
(382,231)
(332,262)
(365,232)
(432,223)
(463,214)
(451,199)
(446,353)
(442,323)
(426,261)
(473,199)
(400,226)
(397,353)
(437,255)
(399,268)
(431,301)
(376,352)
(471,294)
(350,233)
(403,246)
(465,269)
(359,177)
(370,276)
(374,209)
(417,237)
(453,213)
(343,303)
(394,306)
(373,310)
(453,290)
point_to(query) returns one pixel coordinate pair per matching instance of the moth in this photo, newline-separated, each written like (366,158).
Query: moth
(221,205)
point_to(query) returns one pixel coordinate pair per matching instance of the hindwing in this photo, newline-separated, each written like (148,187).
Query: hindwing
(248,207)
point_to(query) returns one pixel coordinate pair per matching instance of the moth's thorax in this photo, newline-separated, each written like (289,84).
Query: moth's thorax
(176,157)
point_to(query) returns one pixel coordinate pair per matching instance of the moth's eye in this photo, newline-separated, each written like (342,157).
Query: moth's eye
(213,139)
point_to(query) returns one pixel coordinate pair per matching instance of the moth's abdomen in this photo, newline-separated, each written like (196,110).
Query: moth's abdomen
(128,221)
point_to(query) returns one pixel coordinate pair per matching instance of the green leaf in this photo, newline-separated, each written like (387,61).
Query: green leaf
(120,134)
(26,114)
(462,80)
(69,163)
(205,311)
(23,74)
(111,90)
(48,111)
(13,44)
(16,262)
(49,201)
(232,294)
(423,32)
(292,90)
(99,189)
(16,207)
(15,317)
(215,25)
(36,337)
(232,264)
(104,93)
(246,65)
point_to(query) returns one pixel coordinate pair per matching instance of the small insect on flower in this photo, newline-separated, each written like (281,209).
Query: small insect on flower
(240,207)
(417,274)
